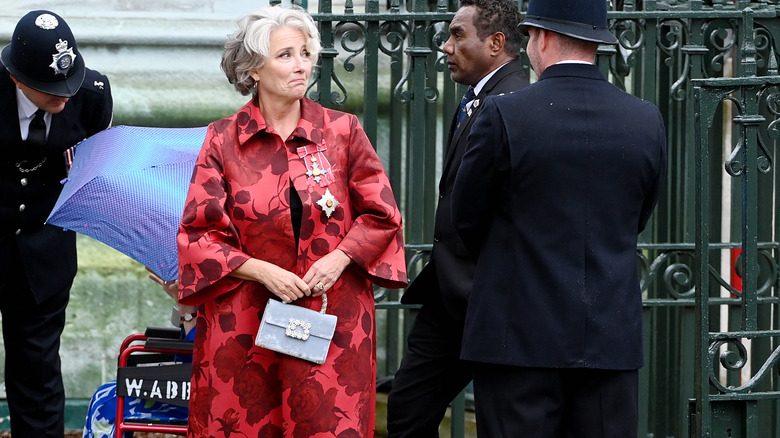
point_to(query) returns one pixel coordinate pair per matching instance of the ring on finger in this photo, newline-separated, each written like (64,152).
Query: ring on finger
(320,285)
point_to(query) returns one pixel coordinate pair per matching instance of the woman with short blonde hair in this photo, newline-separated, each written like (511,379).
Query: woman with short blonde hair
(247,49)
(288,201)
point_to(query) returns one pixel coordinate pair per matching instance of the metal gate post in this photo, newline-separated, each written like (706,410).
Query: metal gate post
(731,410)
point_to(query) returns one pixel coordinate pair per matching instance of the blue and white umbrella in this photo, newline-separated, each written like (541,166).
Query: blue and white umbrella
(127,188)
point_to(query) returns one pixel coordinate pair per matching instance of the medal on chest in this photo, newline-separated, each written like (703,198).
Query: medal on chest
(319,172)
(318,169)
(328,203)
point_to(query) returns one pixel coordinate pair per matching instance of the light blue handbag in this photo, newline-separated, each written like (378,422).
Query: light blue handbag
(297,331)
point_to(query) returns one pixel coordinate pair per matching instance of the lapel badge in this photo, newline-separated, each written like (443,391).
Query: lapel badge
(328,203)
(473,107)
(63,59)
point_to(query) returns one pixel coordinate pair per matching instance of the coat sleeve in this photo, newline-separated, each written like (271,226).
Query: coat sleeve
(375,240)
(99,103)
(652,199)
(208,241)
(473,192)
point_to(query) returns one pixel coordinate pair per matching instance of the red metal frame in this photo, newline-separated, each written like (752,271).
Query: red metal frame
(129,346)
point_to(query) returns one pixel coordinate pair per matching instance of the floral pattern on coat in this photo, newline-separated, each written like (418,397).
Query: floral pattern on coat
(237,207)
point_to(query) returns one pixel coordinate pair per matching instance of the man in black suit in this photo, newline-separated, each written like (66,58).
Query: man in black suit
(558,180)
(49,101)
(482,52)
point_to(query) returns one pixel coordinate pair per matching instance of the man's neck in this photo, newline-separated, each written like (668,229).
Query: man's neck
(478,86)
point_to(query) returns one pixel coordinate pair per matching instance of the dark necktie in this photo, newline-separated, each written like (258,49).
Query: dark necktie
(37,133)
(468,97)
(36,138)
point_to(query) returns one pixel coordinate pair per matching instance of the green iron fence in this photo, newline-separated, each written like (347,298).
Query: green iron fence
(743,404)
(709,258)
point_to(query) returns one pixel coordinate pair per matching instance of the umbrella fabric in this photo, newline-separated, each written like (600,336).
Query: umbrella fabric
(127,188)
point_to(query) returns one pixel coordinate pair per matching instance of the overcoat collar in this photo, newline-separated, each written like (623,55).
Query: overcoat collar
(311,113)
(507,69)
(587,71)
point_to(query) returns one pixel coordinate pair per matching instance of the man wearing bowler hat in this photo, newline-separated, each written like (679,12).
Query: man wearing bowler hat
(557,181)
(49,101)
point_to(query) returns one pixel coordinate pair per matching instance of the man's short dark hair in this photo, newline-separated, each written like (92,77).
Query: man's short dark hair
(498,16)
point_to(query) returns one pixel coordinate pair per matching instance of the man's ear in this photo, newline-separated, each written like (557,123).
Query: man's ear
(546,36)
(16,81)
(497,42)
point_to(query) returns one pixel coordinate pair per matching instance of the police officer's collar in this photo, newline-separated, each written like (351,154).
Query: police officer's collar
(26,107)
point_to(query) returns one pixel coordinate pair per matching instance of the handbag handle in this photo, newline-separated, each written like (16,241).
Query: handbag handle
(324,303)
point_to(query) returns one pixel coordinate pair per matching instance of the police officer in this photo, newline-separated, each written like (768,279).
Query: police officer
(49,101)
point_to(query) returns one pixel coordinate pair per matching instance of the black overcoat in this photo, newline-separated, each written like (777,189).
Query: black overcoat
(558,180)
(449,270)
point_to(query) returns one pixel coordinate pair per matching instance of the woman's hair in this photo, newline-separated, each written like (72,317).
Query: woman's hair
(248,48)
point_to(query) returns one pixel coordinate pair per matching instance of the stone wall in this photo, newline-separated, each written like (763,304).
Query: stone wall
(161,56)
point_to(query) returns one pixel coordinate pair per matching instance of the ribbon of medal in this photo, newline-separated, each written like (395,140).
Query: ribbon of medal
(318,168)
(320,173)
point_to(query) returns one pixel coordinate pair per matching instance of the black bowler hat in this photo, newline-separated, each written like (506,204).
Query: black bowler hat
(43,55)
(581,19)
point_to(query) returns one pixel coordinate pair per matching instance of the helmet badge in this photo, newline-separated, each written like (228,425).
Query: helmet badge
(47,21)
(62,61)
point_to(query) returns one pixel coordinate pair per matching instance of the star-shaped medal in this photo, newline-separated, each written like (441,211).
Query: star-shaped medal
(328,203)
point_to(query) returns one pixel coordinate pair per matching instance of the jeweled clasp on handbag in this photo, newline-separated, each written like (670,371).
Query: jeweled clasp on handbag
(298,329)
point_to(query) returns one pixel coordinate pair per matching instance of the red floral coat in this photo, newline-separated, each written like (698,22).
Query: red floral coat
(238,207)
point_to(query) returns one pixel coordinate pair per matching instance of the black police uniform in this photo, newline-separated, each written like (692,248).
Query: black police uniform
(38,260)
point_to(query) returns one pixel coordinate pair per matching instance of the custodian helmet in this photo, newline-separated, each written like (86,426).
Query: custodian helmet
(581,19)
(43,55)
